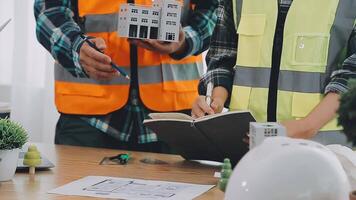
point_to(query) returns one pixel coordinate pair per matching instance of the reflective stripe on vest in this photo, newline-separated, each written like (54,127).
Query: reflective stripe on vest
(147,75)
(293,81)
(165,84)
(101,23)
(314,35)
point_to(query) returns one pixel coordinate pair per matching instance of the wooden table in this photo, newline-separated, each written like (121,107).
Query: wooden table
(73,163)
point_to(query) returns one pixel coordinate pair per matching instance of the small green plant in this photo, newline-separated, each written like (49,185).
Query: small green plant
(347,112)
(12,135)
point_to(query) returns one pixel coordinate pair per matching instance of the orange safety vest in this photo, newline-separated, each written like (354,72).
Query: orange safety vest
(165,84)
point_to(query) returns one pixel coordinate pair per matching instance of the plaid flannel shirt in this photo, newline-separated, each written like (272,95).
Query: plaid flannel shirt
(60,35)
(222,54)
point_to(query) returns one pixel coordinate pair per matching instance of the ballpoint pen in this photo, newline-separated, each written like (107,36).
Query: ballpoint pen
(209,92)
(5,24)
(113,65)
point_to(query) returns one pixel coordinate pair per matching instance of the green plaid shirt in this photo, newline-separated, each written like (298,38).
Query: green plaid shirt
(58,32)
(222,54)
(127,121)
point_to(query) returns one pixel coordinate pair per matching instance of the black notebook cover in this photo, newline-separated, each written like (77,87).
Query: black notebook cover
(213,137)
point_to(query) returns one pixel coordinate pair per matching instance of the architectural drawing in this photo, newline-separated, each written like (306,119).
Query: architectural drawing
(131,189)
(137,189)
(160,21)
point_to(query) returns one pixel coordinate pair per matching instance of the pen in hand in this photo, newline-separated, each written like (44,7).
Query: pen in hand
(209,92)
(113,65)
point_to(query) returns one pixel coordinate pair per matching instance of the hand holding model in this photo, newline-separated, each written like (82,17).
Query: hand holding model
(160,46)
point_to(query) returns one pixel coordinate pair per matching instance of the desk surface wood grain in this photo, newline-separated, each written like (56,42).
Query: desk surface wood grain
(73,163)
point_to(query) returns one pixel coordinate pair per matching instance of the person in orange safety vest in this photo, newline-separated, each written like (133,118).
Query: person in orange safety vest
(100,108)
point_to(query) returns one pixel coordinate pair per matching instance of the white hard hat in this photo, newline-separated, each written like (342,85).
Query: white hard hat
(282,168)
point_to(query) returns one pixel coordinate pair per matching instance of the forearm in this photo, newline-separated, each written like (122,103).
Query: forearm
(327,109)
(199,29)
(221,57)
(58,33)
(220,93)
(309,126)
(323,113)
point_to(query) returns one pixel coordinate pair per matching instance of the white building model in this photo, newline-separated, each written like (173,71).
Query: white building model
(161,21)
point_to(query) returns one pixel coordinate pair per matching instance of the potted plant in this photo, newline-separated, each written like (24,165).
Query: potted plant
(12,138)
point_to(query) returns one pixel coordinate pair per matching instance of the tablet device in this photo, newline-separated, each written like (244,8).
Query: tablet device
(45,164)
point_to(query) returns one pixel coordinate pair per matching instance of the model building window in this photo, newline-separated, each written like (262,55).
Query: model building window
(172,6)
(170,36)
(154,21)
(143,31)
(155,13)
(133,31)
(134,19)
(172,14)
(171,23)
(144,20)
(145,12)
(153,32)
(134,11)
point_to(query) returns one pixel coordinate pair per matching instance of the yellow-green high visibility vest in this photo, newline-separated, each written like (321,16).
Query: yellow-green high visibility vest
(315,33)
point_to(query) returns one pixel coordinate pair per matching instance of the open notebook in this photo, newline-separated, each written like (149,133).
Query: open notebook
(212,137)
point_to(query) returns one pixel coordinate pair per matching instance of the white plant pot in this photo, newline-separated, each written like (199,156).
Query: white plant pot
(8,163)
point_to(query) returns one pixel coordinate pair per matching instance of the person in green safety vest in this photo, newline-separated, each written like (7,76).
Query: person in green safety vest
(286,61)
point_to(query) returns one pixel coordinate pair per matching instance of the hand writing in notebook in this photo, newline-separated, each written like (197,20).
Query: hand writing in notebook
(200,107)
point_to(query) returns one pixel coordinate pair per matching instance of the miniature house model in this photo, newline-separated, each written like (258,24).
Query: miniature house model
(161,21)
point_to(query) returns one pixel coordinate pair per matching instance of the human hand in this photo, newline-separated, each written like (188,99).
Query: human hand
(299,129)
(162,47)
(200,107)
(96,64)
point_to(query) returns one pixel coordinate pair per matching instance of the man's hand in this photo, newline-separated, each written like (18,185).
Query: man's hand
(200,107)
(96,64)
(162,47)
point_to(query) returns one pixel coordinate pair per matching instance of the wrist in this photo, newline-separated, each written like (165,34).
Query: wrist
(310,127)
(182,48)
(220,93)
(324,112)
(76,46)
